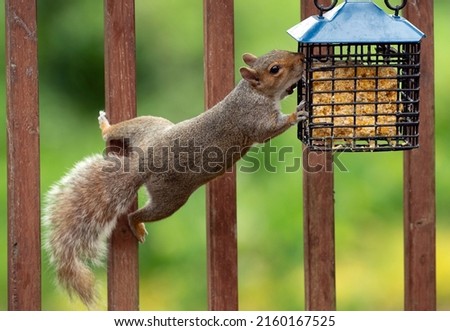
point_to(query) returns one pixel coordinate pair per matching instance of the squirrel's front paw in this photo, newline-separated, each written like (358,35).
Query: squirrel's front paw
(301,105)
(302,115)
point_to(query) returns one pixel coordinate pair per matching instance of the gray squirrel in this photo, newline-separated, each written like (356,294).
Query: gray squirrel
(171,160)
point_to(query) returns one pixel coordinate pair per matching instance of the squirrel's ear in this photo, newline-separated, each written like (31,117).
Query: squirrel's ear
(249,59)
(250,75)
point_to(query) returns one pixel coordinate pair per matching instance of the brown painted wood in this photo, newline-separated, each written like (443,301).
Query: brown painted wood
(120,83)
(221,193)
(318,218)
(318,227)
(24,247)
(419,178)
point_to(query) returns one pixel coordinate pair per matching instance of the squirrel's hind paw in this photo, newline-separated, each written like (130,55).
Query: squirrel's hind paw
(103,121)
(139,232)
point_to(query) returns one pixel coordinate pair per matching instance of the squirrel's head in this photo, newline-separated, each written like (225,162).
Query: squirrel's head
(274,74)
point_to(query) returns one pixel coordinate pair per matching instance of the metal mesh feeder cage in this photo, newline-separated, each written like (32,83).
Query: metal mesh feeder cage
(361,78)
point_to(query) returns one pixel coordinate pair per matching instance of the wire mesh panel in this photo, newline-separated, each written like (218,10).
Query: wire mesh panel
(361,97)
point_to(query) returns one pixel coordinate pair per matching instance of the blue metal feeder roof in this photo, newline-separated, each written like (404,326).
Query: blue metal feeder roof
(356,22)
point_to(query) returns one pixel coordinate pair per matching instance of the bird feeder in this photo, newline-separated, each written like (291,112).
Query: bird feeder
(361,78)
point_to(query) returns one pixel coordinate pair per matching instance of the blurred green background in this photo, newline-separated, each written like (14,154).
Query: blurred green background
(369,211)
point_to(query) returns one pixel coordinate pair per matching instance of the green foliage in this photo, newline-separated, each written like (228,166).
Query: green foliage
(369,240)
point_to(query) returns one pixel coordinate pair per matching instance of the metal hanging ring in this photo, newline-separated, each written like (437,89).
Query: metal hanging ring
(323,8)
(397,8)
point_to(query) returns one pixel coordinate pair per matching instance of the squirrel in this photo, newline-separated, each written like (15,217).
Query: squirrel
(171,160)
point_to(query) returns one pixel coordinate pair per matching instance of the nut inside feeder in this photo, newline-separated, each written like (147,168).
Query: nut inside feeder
(361,78)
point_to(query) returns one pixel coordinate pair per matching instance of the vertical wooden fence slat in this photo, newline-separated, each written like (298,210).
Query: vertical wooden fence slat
(318,211)
(320,284)
(120,81)
(24,246)
(221,193)
(419,179)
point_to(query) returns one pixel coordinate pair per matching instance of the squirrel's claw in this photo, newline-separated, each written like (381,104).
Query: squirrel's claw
(302,115)
(103,122)
(102,118)
(139,232)
(301,105)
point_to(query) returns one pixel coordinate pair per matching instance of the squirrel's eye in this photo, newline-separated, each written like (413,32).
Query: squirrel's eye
(275,69)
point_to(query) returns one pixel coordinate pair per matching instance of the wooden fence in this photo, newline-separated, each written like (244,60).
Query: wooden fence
(24,247)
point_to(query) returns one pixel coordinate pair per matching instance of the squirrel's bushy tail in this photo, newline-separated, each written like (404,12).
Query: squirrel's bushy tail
(81,212)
